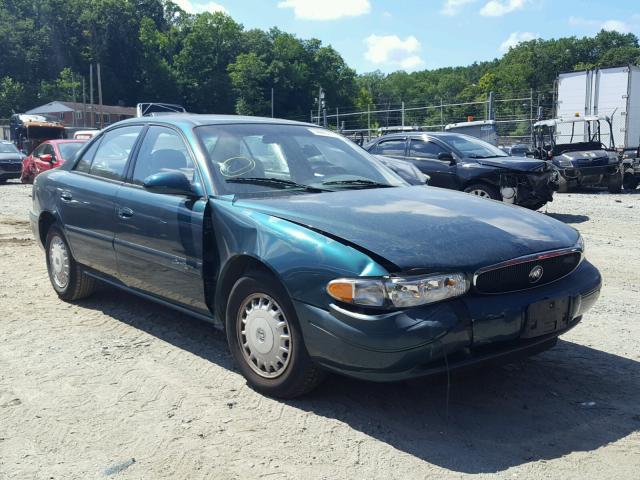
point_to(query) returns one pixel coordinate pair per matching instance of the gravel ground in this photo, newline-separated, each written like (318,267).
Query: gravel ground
(117,387)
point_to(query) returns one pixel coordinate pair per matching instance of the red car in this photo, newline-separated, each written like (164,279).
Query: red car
(49,154)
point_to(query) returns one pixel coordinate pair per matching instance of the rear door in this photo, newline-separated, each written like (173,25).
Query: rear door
(424,153)
(394,147)
(87,201)
(158,241)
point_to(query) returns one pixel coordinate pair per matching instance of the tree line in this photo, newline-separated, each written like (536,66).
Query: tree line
(152,50)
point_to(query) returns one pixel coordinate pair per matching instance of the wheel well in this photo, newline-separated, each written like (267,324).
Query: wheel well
(234,270)
(44,224)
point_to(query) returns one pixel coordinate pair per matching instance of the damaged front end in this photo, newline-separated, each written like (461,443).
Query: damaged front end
(530,190)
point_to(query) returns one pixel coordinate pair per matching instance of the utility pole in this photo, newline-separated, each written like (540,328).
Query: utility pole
(402,114)
(531,114)
(324,109)
(490,113)
(368,121)
(84,104)
(100,97)
(337,119)
(93,117)
(320,97)
(73,93)
(441,115)
(271,102)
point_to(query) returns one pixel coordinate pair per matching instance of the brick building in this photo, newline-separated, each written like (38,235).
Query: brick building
(73,114)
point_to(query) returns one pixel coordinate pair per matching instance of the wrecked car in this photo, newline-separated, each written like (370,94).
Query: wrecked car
(49,154)
(576,146)
(308,266)
(463,162)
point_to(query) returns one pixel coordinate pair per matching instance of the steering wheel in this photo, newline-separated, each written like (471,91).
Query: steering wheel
(236,166)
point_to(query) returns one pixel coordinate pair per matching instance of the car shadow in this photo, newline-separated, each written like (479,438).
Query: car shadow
(572,398)
(568,217)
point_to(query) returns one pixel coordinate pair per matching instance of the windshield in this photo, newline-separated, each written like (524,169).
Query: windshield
(8,148)
(472,147)
(265,158)
(68,150)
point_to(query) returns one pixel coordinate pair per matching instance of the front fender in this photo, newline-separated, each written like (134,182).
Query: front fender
(303,260)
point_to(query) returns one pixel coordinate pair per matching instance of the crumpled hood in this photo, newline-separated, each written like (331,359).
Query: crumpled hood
(430,229)
(514,163)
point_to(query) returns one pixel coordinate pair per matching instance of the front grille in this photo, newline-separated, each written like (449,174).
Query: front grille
(10,167)
(518,275)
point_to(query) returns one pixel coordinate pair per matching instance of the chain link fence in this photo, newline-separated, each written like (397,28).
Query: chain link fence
(514,116)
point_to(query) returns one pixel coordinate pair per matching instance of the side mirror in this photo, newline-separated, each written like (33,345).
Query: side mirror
(427,179)
(169,183)
(46,158)
(446,157)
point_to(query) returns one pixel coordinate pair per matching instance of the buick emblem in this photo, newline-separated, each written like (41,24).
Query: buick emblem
(535,274)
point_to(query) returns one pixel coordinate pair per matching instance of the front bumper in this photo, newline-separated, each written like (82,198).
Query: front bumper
(415,342)
(589,175)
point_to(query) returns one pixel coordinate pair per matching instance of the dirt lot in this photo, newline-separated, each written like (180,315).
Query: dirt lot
(86,388)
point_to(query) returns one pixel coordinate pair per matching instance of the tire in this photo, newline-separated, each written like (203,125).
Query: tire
(258,311)
(484,190)
(3,181)
(630,182)
(614,183)
(73,285)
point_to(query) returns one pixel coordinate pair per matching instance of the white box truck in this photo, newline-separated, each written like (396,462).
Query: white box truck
(611,92)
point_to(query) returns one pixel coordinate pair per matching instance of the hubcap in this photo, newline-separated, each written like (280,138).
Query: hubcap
(59,262)
(264,335)
(480,193)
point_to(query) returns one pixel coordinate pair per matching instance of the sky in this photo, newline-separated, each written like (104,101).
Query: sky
(390,35)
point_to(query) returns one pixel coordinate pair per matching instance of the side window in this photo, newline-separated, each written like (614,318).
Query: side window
(114,150)
(422,149)
(391,147)
(163,150)
(48,150)
(38,151)
(84,164)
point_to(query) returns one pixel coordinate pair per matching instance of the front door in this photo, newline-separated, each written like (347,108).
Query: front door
(158,241)
(424,155)
(87,203)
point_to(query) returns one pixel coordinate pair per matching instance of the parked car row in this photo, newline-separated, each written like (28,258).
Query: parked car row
(312,254)
(462,162)
(10,161)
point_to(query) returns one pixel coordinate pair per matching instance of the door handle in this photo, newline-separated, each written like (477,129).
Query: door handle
(125,212)
(66,196)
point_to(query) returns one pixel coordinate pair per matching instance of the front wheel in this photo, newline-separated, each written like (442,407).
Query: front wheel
(614,183)
(265,339)
(630,181)
(66,275)
(483,190)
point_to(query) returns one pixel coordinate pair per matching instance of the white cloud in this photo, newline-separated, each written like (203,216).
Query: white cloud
(515,38)
(326,9)
(609,25)
(498,8)
(453,7)
(391,50)
(190,6)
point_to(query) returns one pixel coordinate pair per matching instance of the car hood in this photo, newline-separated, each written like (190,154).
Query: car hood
(519,164)
(428,229)
(407,171)
(585,157)
(16,157)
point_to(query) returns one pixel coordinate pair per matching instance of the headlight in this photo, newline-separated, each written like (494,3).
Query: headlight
(565,163)
(580,243)
(398,292)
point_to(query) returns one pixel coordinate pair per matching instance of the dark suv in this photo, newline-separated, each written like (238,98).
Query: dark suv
(466,163)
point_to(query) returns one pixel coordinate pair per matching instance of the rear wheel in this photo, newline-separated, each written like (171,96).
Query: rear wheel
(614,183)
(265,339)
(66,275)
(483,190)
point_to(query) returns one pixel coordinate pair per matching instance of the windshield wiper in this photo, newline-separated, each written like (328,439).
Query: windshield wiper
(359,182)
(276,183)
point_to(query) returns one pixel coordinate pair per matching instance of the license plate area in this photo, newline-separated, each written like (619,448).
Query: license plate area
(547,316)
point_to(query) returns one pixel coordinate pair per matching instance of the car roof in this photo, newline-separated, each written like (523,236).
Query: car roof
(196,120)
(420,134)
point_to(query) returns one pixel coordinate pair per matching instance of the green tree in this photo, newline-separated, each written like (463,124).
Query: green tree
(11,93)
